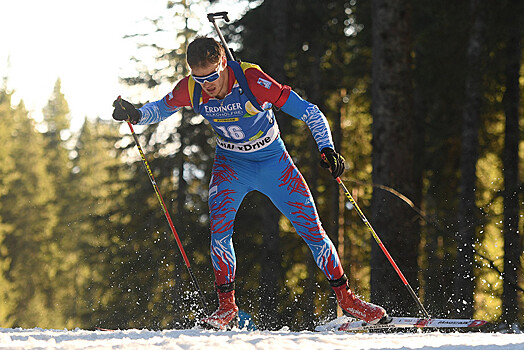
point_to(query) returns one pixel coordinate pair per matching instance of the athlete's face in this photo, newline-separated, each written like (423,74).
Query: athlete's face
(212,77)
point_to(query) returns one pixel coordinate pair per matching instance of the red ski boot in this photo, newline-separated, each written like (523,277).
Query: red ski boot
(226,317)
(352,305)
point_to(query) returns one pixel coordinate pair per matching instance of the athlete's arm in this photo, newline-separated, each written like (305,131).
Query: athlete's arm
(301,109)
(266,89)
(155,112)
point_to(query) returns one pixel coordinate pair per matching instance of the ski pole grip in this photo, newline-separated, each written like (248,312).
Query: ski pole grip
(217,15)
(211,17)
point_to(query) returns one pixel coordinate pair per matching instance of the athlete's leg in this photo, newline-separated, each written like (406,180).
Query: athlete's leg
(284,185)
(226,191)
(291,195)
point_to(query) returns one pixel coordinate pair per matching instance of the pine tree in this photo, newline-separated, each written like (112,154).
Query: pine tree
(28,207)
(61,252)
(98,218)
(7,177)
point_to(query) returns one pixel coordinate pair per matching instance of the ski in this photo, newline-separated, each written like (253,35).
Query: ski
(347,324)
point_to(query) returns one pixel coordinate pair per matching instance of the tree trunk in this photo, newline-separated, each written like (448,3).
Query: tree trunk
(464,277)
(512,241)
(393,160)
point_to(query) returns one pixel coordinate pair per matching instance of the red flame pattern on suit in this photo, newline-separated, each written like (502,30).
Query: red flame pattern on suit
(307,218)
(222,171)
(292,178)
(220,211)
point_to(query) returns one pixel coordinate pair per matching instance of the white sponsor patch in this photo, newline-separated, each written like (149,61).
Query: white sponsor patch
(251,146)
(265,83)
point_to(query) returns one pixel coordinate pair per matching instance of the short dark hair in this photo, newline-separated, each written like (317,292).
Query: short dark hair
(203,51)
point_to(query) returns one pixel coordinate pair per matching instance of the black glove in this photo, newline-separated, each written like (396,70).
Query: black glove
(125,111)
(332,160)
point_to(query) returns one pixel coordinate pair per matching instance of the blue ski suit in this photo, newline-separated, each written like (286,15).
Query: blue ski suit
(250,155)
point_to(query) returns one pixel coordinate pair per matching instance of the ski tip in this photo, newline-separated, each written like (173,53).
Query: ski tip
(477,323)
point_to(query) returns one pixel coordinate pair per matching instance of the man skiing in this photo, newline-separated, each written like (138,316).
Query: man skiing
(250,155)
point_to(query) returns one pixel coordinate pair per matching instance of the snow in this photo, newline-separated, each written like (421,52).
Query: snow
(241,339)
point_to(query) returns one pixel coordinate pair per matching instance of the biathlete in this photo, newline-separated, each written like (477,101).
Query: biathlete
(250,155)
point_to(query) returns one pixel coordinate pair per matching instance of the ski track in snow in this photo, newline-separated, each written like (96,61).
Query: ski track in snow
(202,339)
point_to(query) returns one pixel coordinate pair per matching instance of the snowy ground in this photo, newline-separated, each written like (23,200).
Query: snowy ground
(199,339)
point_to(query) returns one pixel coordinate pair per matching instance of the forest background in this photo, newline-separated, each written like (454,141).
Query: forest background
(424,101)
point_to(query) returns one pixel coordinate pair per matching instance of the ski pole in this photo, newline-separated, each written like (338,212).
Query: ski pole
(218,15)
(381,245)
(166,213)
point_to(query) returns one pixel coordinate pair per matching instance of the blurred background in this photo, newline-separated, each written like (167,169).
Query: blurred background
(424,102)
